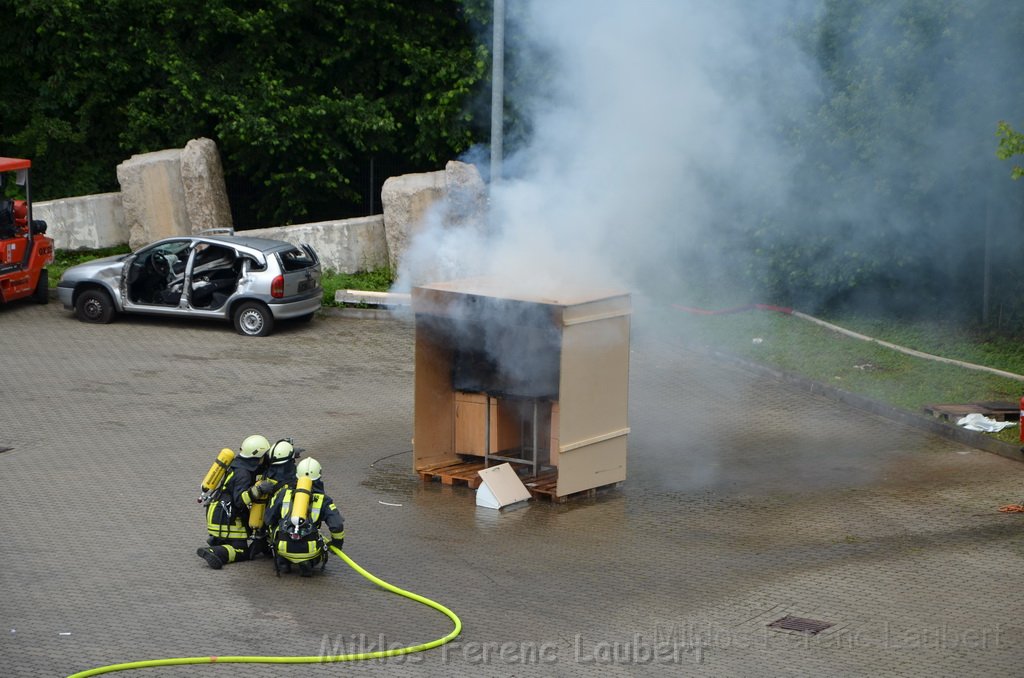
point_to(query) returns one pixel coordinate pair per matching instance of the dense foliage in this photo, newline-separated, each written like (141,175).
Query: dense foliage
(902,201)
(1011,143)
(902,194)
(302,98)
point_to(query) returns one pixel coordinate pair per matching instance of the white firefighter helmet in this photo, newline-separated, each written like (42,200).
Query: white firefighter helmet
(282,451)
(308,467)
(254,446)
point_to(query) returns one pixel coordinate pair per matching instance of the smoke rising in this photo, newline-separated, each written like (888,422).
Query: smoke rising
(639,132)
(809,152)
(815,153)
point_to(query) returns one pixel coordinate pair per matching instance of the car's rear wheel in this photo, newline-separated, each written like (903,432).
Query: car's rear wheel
(41,295)
(253,319)
(94,306)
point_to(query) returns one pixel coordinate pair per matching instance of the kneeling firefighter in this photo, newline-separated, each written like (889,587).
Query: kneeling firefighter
(294,519)
(227,510)
(279,471)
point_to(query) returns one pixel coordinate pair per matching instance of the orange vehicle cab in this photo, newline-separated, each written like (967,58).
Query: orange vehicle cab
(25,250)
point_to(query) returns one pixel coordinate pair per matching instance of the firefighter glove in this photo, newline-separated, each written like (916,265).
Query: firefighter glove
(338,543)
(262,489)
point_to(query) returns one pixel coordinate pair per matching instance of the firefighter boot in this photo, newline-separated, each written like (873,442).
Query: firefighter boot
(306,569)
(211,557)
(258,547)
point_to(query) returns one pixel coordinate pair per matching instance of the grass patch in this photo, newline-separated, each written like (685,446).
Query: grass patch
(799,347)
(379,280)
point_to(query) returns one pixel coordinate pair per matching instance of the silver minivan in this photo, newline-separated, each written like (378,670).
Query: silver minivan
(253,282)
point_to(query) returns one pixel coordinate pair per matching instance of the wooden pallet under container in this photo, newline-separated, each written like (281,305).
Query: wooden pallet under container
(543,487)
(464,473)
(1000,411)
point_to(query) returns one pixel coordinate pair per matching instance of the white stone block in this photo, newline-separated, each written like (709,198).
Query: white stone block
(86,222)
(344,246)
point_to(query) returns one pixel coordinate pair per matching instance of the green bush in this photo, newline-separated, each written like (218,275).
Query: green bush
(379,280)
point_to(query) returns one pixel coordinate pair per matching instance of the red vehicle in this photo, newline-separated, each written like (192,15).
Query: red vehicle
(25,250)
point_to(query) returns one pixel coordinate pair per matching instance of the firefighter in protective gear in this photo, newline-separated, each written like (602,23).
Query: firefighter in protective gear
(282,457)
(227,512)
(279,471)
(296,539)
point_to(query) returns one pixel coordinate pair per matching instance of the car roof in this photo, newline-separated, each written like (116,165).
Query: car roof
(265,245)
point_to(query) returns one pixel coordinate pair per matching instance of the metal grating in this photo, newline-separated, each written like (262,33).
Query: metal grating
(803,625)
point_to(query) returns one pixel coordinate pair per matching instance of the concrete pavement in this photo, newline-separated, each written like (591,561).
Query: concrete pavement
(747,501)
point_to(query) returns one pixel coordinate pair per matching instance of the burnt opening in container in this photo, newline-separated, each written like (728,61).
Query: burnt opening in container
(506,360)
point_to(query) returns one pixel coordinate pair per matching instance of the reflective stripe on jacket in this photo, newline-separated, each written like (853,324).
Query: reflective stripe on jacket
(221,521)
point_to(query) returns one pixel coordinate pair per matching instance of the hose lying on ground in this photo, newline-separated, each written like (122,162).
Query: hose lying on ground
(1012,508)
(854,335)
(324,659)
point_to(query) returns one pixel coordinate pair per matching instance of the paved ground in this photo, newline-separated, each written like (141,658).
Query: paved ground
(746,502)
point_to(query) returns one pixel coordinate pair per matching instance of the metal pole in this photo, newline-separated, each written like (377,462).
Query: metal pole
(28,201)
(534,438)
(487,434)
(373,202)
(497,89)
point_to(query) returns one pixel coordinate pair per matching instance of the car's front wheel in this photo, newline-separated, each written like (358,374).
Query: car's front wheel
(94,306)
(253,319)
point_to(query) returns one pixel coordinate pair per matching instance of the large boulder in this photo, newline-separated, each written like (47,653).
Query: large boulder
(466,198)
(407,199)
(206,196)
(173,192)
(453,198)
(153,196)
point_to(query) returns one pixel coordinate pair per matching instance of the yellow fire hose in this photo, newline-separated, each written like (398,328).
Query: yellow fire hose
(379,654)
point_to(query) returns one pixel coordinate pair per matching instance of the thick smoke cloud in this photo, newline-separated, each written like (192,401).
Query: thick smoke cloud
(639,127)
(800,148)
(648,116)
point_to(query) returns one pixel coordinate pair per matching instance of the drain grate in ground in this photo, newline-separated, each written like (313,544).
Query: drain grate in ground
(809,626)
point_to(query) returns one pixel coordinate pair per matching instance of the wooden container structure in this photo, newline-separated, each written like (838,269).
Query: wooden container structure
(540,382)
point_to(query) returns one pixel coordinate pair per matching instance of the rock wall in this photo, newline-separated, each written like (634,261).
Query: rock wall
(181,192)
(85,223)
(344,246)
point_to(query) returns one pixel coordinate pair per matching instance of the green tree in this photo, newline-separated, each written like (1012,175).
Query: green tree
(1011,143)
(299,96)
(899,203)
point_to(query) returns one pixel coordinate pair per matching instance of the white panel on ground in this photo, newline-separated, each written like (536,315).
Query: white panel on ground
(500,487)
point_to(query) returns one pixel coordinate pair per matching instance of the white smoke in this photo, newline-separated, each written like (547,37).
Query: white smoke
(649,114)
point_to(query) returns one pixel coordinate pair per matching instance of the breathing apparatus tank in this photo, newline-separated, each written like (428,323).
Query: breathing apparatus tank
(280,453)
(259,506)
(256,511)
(300,502)
(215,476)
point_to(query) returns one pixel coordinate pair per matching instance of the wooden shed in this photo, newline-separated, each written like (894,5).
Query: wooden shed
(537,381)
